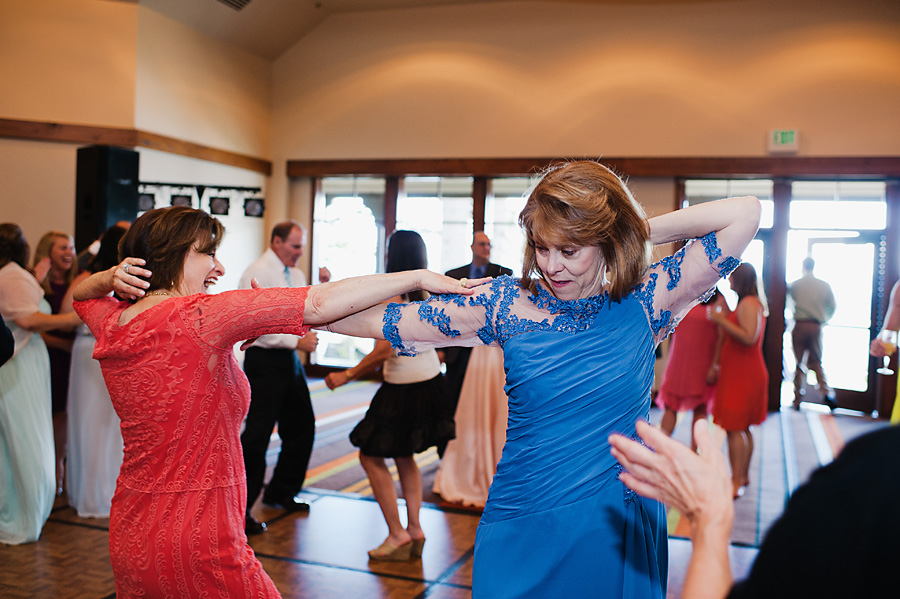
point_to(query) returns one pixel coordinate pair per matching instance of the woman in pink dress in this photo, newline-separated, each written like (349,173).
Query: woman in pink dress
(689,379)
(177,518)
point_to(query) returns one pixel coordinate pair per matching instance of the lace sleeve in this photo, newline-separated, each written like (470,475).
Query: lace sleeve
(678,282)
(94,312)
(223,319)
(445,320)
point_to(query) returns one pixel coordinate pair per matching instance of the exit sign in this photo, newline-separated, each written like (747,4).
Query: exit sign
(783,141)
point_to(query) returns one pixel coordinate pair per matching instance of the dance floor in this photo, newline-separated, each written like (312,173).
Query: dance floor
(323,553)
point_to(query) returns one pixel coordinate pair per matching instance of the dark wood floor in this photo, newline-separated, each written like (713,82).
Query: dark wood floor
(323,553)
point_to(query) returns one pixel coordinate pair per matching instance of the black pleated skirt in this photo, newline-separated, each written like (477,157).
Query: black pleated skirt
(406,419)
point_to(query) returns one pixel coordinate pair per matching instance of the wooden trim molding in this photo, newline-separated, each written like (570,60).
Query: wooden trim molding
(115,136)
(768,166)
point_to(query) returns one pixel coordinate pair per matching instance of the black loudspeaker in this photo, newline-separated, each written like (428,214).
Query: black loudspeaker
(106,190)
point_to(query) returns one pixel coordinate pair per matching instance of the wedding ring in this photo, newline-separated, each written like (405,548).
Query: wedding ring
(126,268)
(463,281)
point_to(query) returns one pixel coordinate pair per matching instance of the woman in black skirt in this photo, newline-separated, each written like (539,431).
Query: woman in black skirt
(409,414)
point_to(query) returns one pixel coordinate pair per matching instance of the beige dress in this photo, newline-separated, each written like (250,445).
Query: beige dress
(470,460)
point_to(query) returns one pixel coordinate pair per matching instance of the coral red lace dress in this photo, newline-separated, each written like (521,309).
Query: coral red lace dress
(176,527)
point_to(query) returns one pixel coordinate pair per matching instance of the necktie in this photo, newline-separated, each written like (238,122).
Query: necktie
(479,272)
(287,276)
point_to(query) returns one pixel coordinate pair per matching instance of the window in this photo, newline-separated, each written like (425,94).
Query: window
(440,210)
(697,191)
(501,220)
(348,239)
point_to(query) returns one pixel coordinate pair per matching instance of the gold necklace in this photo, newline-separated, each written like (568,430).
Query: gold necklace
(159,292)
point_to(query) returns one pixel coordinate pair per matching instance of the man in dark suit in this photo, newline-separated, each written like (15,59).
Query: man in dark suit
(457,358)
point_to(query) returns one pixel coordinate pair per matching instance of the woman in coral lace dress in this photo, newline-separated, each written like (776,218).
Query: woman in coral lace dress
(177,518)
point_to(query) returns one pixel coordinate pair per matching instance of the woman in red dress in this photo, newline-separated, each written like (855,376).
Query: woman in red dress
(743,379)
(177,519)
(689,380)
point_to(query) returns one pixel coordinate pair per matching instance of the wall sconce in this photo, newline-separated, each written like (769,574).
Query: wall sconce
(219,205)
(254,206)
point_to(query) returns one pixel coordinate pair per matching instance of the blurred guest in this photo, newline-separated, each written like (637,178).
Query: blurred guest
(86,255)
(278,390)
(743,385)
(26,431)
(7,343)
(409,413)
(470,460)
(878,348)
(689,379)
(457,358)
(813,305)
(59,249)
(94,453)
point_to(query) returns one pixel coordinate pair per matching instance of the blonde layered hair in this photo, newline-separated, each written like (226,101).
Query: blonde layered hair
(43,250)
(584,203)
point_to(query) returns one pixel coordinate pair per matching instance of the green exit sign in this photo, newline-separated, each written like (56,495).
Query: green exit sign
(783,140)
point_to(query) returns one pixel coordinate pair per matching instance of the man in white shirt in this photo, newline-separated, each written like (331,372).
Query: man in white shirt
(278,390)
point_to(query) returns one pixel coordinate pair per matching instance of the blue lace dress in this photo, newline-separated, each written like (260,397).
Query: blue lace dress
(558,522)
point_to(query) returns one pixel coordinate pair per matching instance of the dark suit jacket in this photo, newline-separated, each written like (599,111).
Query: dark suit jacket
(493,270)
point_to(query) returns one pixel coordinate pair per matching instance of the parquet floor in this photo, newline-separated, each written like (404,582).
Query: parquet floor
(323,554)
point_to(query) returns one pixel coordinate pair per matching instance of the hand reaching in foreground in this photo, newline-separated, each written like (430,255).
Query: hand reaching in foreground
(697,484)
(42,269)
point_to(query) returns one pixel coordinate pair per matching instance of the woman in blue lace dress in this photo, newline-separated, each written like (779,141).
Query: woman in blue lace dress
(578,334)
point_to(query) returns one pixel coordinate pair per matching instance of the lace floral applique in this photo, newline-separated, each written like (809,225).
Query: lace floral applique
(713,253)
(672,266)
(628,494)
(644,294)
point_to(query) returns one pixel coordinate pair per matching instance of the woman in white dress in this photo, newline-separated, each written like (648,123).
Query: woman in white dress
(95,439)
(27,470)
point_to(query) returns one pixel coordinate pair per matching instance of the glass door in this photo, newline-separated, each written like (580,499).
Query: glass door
(840,224)
(848,264)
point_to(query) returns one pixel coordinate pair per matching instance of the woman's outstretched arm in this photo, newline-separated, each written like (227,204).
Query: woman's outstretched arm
(328,302)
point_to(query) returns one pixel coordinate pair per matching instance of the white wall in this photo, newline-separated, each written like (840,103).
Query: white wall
(115,64)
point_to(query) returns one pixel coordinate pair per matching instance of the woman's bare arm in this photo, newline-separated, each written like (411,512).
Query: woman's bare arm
(330,302)
(734,220)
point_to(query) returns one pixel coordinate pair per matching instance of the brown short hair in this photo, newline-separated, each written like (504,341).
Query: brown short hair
(13,246)
(584,203)
(164,236)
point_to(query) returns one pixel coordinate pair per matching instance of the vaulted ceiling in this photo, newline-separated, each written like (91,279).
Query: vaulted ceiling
(267,28)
